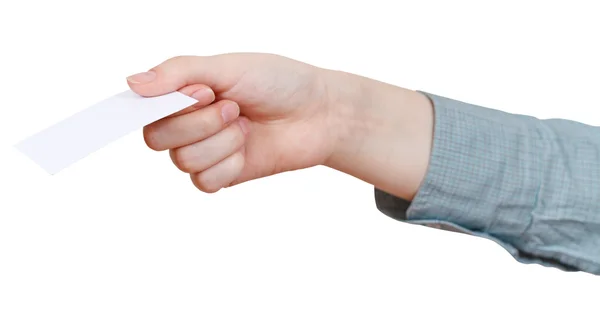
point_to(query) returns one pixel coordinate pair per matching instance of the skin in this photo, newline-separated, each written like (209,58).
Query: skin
(261,114)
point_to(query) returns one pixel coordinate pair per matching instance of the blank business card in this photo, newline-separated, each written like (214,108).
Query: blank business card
(74,138)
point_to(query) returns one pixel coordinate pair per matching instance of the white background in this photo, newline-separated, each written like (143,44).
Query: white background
(123,236)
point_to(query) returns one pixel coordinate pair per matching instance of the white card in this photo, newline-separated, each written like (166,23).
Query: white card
(74,138)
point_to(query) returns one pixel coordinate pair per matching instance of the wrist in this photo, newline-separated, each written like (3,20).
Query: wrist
(384,134)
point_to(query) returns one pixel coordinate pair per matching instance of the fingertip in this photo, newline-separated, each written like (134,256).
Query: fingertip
(230,110)
(204,95)
(201,185)
(222,175)
(155,82)
(142,78)
(150,138)
(172,75)
(244,124)
(199,92)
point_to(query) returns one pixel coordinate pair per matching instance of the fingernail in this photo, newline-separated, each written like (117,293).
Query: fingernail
(203,94)
(141,78)
(244,125)
(229,112)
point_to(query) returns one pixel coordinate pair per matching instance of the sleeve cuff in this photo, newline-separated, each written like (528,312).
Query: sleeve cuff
(483,178)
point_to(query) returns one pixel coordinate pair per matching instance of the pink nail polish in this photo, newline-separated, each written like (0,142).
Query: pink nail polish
(141,78)
(229,112)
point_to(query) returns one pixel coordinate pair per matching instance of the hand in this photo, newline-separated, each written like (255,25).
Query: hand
(257,115)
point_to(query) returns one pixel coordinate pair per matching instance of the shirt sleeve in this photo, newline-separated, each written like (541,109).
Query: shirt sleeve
(531,185)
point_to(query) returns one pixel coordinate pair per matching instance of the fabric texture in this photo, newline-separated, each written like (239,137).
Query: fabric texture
(531,185)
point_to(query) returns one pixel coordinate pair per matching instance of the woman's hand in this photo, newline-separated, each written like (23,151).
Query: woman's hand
(262,114)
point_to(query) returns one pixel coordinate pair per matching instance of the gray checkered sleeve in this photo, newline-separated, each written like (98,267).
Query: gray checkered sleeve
(531,185)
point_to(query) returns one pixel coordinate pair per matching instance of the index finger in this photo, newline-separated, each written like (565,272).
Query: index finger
(204,94)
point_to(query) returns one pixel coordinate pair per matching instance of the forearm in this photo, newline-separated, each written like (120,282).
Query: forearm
(386,133)
(531,185)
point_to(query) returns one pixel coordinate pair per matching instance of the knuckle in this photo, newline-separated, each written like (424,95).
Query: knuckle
(180,60)
(203,125)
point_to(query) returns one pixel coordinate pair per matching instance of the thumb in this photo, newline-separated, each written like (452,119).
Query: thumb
(177,72)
